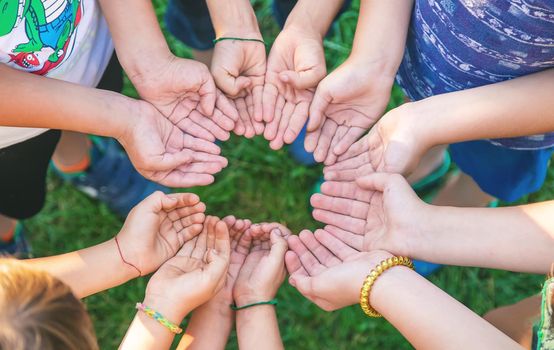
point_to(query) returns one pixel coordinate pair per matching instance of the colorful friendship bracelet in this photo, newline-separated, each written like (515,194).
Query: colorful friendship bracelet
(123,259)
(269,302)
(372,277)
(159,318)
(215,41)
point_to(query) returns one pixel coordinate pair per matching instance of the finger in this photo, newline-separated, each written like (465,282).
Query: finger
(226,106)
(231,85)
(303,80)
(338,248)
(347,223)
(210,240)
(348,174)
(209,125)
(207,93)
(293,264)
(197,144)
(202,168)
(242,108)
(351,239)
(331,157)
(186,180)
(296,123)
(319,105)
(319,251)
(223,121)
(200,248)
(244,244)
(285,232)
(327,132)
(359,147)
(348,207)
(257,95)
(187,211)
(256,125)
(188,247)
(190,127)
(308,260)
(269,101)
(351,163)
(311,140)
(353,134)
(377,181)
(212,158)
(277,142)
(272,126)
(348,190)
(229,220)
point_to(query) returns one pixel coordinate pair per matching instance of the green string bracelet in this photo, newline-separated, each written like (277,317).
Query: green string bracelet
(270,302)
(238,39)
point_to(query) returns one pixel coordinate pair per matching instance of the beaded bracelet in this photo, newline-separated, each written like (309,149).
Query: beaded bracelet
(372,277)
(159,318)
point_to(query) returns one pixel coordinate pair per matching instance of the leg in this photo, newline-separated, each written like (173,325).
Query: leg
(516,321)
(430,161)
(189,21)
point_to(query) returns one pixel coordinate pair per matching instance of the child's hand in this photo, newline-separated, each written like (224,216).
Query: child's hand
(326,270)
(345,105)
(163,153)
(295,65)
(263,271)
(394,145)
(379,211)
(157,228)
(193,275)
(184,92)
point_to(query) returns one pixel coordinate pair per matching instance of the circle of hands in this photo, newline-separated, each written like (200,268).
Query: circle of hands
(185,109)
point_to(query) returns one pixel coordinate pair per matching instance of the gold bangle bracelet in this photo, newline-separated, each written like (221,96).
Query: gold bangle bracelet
(372,277)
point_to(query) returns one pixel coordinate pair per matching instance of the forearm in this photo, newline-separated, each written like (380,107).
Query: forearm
(313,15)
(233,17)
(61,105)
(517,107)
(210,326)
(258,325)
(138,39)
(381,33)
(402,296)
(90,270)
(514,238)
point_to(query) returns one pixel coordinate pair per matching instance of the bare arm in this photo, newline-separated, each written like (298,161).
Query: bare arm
(258,325)
(90,270)
(517,107)
(514,238)
(61,105)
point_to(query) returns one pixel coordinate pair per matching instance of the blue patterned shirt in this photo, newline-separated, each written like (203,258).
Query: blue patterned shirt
(454,45)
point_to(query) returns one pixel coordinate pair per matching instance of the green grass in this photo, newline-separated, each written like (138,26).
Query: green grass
(263,185)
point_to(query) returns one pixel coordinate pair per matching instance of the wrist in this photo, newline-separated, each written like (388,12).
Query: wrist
(175,312)
(128,272)
(311,16)
(233,18)
(248,299)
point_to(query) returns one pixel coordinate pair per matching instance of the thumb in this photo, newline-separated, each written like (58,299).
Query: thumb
(319,104)
(217,265)
(230,85)
(279,246)
(303,80)
(375,181)
(170,161)
(302,284)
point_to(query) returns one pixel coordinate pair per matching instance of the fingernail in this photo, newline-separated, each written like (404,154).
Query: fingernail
(277,232)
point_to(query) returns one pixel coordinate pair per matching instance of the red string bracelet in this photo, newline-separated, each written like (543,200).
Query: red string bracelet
(123,259)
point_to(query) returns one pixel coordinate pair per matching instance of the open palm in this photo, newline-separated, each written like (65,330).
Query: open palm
(370,213)
(345,105)
(296,64)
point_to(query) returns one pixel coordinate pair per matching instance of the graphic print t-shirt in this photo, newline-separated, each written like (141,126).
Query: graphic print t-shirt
(62,39)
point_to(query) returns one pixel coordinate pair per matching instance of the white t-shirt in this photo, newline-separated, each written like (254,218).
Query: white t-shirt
(61,39)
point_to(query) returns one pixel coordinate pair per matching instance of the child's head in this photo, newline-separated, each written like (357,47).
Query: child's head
(38,311)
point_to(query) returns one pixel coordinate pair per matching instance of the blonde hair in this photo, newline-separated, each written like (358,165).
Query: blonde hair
(38,311)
